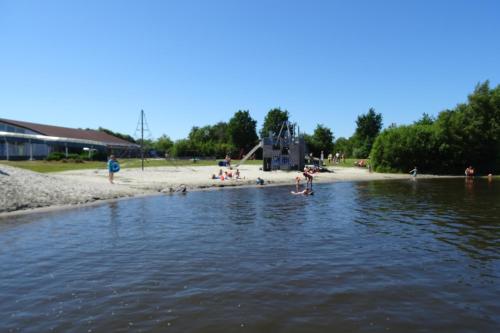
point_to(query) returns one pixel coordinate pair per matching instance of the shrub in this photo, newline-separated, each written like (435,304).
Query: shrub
(55,156)
(466,135)
(73,157)
(399,149)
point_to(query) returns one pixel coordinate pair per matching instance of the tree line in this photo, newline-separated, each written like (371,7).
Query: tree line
(235,137)
(239,135)
(466,135)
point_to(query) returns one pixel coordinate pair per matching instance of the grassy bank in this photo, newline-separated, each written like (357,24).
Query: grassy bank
(349,162)
(57,166)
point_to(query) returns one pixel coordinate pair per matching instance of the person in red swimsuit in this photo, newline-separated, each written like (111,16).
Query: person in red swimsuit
(307,174)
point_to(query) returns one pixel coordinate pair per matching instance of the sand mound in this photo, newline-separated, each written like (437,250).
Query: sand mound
(22,189)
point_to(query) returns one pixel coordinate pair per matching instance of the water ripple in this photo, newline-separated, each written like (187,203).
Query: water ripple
(374,256)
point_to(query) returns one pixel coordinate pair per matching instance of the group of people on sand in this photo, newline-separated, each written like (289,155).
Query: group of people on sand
(114,167)
(337,158)
(227,175)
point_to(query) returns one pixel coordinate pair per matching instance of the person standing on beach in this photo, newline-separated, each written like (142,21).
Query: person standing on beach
(228,160)
(414,172)
(113,167)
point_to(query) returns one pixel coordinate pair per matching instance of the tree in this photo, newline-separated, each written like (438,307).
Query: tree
(425,120)
(404,147)
(219,133)
(320,140)
(469,134)
(344,146)
(368,127)
(242,131)
(163,144)
(273,121)
(184,148)
(208,141)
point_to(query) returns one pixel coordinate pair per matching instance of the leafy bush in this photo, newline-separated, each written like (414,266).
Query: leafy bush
(73,157)
(399,149)
(466,135)
(55,156)
(60,156)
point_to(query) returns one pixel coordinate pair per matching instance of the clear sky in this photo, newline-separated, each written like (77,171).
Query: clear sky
(98,63)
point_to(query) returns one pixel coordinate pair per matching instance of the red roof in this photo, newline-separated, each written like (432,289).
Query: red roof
(66,132)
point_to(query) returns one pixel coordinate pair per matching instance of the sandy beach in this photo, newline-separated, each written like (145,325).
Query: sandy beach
(24,190)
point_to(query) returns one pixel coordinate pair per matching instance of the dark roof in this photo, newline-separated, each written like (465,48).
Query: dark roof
(66,132)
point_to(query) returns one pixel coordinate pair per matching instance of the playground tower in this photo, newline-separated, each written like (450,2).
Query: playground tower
(284,150)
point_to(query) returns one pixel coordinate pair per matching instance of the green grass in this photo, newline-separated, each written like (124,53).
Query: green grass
(57,166)
(53,166)
(349,162)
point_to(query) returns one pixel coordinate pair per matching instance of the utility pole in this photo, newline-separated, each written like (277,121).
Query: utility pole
(142,126)
(142,139)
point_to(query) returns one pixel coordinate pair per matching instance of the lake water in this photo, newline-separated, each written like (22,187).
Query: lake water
(399,256)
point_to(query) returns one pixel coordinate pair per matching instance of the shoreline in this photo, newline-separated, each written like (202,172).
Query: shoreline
(64,207)
(88,188)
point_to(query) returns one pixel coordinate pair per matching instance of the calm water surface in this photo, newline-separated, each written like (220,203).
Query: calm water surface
(400,256)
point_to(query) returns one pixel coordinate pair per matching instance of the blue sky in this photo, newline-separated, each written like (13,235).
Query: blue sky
(98,63)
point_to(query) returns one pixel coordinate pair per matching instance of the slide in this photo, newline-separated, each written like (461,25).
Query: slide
(247,156)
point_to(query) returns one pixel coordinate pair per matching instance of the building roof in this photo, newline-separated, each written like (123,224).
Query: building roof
(67,132)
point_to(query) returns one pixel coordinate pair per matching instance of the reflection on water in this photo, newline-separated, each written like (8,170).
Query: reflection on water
(464,216)
(404,256)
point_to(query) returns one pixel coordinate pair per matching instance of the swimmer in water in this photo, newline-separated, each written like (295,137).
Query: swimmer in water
(304,192)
